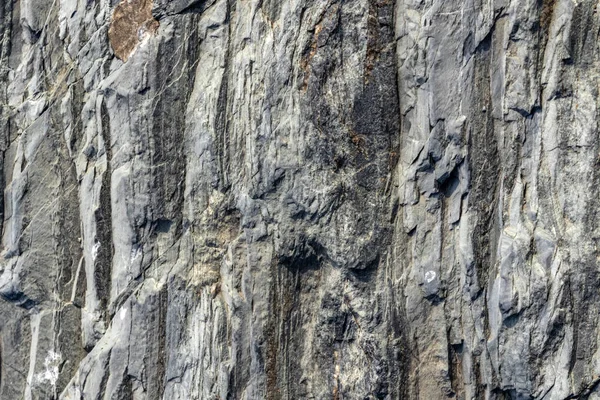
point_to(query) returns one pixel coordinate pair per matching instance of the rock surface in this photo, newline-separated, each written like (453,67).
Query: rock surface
(299,199)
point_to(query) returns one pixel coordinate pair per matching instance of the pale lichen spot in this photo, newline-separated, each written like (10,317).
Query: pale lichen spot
(51,369)
(429,276)
(95,251)
(131,22)
(135,253)
(123,313)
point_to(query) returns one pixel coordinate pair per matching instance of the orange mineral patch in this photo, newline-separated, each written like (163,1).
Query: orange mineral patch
(131,19)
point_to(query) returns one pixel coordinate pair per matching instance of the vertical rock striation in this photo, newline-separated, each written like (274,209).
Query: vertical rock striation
(299,199)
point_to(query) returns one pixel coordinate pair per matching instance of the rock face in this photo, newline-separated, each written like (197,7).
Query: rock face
(299,199)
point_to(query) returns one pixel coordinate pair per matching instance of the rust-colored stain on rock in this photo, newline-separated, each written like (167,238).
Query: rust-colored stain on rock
(131,19)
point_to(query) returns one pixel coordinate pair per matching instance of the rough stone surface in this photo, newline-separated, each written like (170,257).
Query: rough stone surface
(299,199)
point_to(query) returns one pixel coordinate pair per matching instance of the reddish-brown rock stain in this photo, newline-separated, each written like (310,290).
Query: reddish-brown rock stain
(131,19)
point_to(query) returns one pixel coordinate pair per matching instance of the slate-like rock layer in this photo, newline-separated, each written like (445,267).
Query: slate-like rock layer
(299,199)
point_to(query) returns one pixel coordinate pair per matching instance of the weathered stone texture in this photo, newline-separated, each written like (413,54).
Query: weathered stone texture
(299,199)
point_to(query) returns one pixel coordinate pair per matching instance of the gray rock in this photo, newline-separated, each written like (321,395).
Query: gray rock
(360,199)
